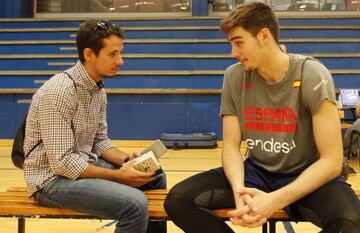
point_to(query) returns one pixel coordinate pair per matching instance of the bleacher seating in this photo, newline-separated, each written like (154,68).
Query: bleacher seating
(173,69)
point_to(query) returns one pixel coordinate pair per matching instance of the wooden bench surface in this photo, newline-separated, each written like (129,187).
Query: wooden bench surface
(15,202)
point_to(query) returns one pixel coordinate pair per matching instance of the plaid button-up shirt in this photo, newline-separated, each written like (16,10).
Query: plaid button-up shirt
(69,116)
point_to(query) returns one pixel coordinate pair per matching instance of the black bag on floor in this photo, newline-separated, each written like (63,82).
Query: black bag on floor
(194,140)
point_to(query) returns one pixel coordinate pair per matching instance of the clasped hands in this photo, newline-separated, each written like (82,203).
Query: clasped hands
(253,207)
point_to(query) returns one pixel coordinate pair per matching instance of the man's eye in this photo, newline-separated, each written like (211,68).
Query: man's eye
(237,43)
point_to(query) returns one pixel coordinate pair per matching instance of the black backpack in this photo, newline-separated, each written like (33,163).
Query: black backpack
(17,154)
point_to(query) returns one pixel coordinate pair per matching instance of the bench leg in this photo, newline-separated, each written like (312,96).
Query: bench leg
(272,226)
(21,225)
(265,228)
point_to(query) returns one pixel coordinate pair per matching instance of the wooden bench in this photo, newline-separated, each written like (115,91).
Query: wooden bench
(15,202)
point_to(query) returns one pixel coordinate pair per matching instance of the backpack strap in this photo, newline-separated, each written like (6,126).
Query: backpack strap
(69,76)
(23,125)
(36,145)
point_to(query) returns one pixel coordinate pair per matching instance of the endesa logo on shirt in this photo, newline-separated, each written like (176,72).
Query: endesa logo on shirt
(271,145)
(270,119)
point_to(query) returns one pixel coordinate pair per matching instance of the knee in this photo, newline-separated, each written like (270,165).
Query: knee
(136,208)
(175,201)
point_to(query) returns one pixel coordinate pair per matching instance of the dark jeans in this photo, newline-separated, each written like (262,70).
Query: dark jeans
(334,207)
(105,199)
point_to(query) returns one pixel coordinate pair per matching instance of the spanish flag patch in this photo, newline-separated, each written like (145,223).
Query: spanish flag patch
(297,83)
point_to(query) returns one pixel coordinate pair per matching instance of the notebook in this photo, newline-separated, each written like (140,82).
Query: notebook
(349,97)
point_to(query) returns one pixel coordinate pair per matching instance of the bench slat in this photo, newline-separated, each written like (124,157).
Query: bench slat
(156,210)
(15,202)
(17,189)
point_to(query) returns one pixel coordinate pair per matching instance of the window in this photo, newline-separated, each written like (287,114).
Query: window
(294,5)
(112,6)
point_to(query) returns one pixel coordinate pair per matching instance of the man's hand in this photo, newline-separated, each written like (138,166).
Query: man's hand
(263,204)
(135,155)
(131,177)
(244,214)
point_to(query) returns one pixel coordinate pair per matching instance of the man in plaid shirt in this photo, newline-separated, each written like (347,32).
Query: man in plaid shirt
(76,166)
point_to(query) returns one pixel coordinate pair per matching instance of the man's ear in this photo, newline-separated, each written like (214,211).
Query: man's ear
(264,35)
(88,54)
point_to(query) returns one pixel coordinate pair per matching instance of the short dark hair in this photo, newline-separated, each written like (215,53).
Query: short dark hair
(252,17)
(92,33)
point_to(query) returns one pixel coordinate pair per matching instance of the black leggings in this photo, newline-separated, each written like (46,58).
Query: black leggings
(334,207)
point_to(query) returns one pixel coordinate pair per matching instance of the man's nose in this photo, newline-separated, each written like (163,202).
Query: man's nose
(120,61)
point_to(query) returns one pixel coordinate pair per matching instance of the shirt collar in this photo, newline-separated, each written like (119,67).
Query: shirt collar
(85,80)
(100,84)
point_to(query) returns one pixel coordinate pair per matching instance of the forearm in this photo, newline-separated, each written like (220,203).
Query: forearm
(231,158)
(126,175)
(234,168)
(316,175)
(93,171)
(115,156)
